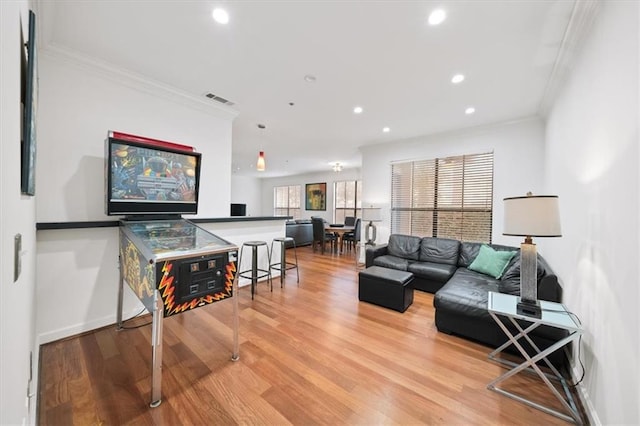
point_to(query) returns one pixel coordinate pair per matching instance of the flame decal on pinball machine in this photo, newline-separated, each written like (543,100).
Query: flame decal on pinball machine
(166,287)
(167,290)
(230,276)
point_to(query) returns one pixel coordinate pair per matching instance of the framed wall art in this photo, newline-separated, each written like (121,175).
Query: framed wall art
(316,196)
(30,102)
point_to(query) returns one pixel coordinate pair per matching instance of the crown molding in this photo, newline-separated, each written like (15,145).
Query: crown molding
(456,133)
(582,17)
(134,81)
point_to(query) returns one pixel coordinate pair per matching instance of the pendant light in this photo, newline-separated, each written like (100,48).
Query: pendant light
(261,165)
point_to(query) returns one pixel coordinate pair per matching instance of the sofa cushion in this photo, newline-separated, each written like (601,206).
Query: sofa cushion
(440,272)
(469,251)
(510,280)
(404,246)
(393,262)
(466,292)
(439,250)
(491,262)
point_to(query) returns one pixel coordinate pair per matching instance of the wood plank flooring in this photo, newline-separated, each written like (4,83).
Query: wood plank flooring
(309,354)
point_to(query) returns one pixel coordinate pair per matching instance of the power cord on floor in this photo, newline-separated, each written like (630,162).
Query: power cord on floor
(577,320)
(132,318)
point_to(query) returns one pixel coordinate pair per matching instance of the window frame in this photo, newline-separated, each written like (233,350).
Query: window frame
(290,208)
(450,197)
(356,210)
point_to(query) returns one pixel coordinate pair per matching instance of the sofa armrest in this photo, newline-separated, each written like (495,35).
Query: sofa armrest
(549,289)
(371,252)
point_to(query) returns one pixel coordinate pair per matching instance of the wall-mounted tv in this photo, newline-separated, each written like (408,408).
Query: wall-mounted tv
(238,209)
(150,177)
(30,102)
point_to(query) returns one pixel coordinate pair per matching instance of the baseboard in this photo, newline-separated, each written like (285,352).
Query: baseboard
(585,400)
(73,330)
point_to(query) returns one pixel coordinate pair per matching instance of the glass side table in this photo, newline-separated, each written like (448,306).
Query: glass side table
(502,308)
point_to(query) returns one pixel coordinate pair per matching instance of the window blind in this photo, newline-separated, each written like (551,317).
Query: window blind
(286,201)
(347,200)
(444,197)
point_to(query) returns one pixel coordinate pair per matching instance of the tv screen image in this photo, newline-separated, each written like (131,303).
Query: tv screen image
(151,178)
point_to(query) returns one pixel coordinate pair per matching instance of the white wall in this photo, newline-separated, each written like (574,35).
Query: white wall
(329,177)
(247,190)
(518,164)
(17,216)
(592,162)
(79,103)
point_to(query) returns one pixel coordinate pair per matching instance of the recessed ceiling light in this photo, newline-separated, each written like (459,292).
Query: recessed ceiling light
(220,16)
(458,78)
(437,17)
(469,110)
(357,110)
(310,78)
(386,129)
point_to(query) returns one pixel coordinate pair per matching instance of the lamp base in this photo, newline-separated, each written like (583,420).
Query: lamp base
(529,308)
(370,234)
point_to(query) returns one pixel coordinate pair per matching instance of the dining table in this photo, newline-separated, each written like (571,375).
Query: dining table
(339,231)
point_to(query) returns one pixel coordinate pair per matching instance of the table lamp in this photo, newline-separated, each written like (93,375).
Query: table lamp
(530,216)
(371,214)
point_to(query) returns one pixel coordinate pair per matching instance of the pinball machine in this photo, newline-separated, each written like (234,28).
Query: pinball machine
(169,263)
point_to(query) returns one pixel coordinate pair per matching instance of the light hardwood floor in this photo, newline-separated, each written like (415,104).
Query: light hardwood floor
(309,354)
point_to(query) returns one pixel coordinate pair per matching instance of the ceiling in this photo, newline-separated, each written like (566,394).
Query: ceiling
(380,55)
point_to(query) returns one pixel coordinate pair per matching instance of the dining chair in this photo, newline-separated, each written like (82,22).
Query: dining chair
(349,221)
(353,238)
(320,236)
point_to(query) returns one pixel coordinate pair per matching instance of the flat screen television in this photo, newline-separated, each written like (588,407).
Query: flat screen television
(238,209)
(30,102)
(150,177)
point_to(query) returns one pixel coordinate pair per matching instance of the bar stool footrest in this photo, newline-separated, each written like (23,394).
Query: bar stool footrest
(261,273)
(277,267)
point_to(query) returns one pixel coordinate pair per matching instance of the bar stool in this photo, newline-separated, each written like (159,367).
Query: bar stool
(283,266)
(256,272)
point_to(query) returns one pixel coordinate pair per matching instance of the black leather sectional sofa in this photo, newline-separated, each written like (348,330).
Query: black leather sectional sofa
(301,231)
(441,266)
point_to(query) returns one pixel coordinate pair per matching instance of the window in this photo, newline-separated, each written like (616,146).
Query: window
(347,200)
(286,201)
(445,197)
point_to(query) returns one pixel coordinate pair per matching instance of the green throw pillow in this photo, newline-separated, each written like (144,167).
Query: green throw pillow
(491,262)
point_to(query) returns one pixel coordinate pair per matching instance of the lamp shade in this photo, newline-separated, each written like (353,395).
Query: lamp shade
(532,216)
(371,214)
(261,164)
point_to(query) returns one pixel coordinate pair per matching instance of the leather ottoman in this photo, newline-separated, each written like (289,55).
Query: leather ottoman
(385,287)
